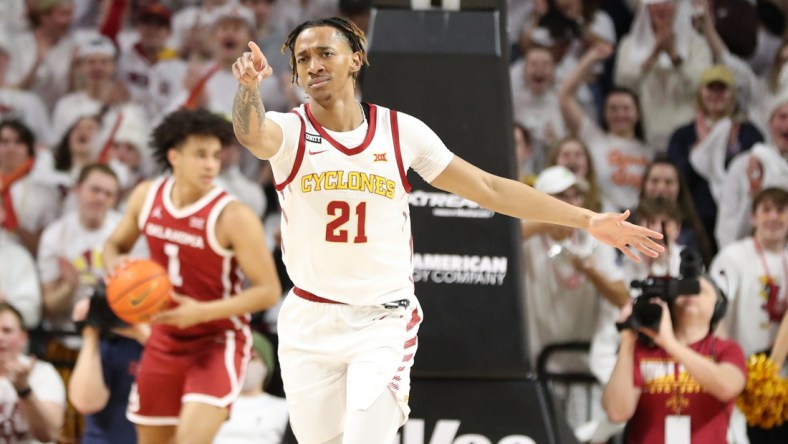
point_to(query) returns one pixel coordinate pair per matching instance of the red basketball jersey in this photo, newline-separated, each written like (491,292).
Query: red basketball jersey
(183,240)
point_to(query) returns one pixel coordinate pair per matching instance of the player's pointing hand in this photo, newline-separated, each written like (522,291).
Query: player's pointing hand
(252,67)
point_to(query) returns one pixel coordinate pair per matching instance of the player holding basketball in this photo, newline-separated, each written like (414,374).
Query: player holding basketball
(196,356)
(348,332)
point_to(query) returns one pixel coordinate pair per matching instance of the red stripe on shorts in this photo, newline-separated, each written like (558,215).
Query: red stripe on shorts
(314,298)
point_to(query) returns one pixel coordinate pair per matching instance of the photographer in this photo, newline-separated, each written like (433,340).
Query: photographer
(682,390)
(105,371)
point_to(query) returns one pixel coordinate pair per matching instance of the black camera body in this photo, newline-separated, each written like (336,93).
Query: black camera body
(646,314)
(100,315)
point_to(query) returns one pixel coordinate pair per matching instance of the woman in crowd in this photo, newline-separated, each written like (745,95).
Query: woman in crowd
(617,149)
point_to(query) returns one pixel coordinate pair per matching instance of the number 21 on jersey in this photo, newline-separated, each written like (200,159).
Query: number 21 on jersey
(342,214)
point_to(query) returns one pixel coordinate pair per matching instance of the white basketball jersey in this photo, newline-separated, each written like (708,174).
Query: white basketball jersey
(345,217)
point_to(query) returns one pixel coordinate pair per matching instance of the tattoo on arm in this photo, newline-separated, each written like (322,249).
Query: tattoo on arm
(247,102)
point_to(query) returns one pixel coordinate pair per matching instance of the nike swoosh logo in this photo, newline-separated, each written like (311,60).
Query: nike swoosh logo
(317,152)
(138,300)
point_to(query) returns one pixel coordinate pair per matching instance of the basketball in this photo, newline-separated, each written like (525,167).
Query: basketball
(138,291)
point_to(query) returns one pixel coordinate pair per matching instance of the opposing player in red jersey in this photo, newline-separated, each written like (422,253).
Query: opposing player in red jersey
(348,331)
(196,356)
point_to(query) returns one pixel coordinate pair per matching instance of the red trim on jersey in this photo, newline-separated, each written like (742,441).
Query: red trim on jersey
(414,320)
(342,148)
(314,298)
(299,155)
(397,151)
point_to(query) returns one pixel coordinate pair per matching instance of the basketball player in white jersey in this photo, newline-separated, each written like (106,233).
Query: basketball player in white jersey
(195,358)
(348,331)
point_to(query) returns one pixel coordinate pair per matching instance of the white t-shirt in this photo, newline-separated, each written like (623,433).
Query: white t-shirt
(36,204)
(46,385)
(19,280)
(561,303)
(735,205)
(67,238)
(667,93)
(220,89)
(248,192)
(259,419)
(27,107)
(620,164)
(535,112)
(740,273)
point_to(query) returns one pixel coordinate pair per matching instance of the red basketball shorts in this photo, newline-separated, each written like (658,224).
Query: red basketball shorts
(173,371)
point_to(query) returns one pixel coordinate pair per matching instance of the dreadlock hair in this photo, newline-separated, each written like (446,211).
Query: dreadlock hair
(353,35)
(180,125)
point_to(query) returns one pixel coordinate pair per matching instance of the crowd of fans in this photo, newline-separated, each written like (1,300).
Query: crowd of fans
(669,108)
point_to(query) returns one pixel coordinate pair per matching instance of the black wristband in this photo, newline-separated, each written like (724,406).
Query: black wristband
(24,393)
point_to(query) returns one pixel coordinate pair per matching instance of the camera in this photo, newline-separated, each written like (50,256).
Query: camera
(646,314)
(100,315)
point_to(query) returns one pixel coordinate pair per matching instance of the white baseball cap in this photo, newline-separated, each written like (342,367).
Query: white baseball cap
(97,45)
(557,179)
(233,10)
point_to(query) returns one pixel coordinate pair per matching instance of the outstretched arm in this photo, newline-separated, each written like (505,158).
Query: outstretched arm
(570,109)
(259,135)
(519,200)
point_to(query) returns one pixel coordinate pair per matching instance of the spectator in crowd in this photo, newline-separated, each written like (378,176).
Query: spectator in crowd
(190,34)
(714,137)
(754,272)
(617,149)
(256,417)
(19,104)
(524,153)
(652,214)
(535,101)
(573,154)
(662,180)
(565,273)
(566,269)
(19,285)
(594,23)
(69,257)
(70,264)
(29,199)
(762,167)
(655,215)
(564,38)
(269,34)
(104,373)
(231,179)
(96,68)
(753,91)
(138,65)
(684,388)
(32,396)
(288,14)
(129,148)
(205,84)
(662,59)
(41,57)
